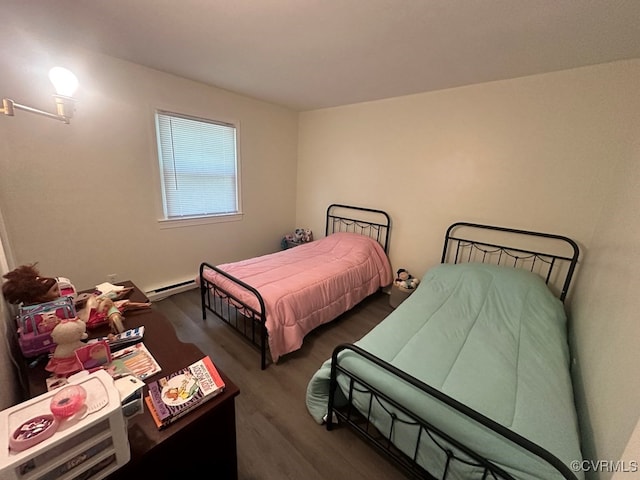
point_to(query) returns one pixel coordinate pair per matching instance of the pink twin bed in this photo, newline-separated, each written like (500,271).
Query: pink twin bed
(274,300)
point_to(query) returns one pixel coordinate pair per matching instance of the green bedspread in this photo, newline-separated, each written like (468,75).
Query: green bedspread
(493,338)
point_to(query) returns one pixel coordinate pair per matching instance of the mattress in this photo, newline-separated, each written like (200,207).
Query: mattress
(493,338)
(309,285)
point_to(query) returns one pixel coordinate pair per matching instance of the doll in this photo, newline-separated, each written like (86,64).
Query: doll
(96,310)
(25,286)
(405,280)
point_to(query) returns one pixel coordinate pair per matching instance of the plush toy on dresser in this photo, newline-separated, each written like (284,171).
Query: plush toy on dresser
(42,302)
(68,336)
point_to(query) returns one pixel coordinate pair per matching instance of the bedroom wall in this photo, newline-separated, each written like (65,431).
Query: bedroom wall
(606,301)
(530,152)
(82,199)
(555,152)
(11,382)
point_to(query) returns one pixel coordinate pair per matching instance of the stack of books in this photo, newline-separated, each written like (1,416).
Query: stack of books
(177,394)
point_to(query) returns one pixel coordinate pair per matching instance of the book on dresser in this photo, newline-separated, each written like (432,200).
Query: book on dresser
(180,392)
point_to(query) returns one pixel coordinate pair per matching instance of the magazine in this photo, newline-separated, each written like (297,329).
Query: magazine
(175,395)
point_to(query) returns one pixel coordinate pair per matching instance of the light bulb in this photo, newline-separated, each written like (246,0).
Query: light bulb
(64,81)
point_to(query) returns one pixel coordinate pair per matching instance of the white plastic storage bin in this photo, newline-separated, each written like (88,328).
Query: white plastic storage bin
(83,447)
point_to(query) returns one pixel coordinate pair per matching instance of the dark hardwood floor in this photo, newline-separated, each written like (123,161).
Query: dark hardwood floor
(277,438)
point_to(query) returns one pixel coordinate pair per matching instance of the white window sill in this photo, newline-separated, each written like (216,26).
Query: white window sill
(191,221)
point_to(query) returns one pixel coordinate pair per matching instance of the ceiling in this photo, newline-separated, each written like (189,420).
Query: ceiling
(310,54)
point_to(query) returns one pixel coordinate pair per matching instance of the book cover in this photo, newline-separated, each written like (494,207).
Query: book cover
(183,390)
(134,360)
(121,340)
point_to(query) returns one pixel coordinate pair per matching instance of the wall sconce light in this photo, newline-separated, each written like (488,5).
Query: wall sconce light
(65,83)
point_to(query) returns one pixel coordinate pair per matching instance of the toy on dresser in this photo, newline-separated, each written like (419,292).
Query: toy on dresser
(53,320)
(25,286)
(97,310)
(36,322)
(68,336)
(75,432)
(42,303)
(107,305)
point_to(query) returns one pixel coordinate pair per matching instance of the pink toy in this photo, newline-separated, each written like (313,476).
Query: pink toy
(68,401)
(33,431)
(36,322)
(68,336)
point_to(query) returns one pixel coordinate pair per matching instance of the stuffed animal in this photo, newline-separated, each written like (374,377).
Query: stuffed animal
(67,335)
(307,236)
(298,235)
(286,240)
(405,280)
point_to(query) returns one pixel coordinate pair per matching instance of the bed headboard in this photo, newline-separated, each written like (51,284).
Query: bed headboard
(373,223)
(553,257)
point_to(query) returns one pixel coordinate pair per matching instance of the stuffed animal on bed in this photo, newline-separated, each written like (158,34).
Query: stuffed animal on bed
(405,280)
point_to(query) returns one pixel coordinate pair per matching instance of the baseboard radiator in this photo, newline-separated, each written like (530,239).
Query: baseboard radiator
(168,290)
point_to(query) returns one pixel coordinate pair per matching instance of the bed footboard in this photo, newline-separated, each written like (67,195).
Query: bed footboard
(399,416)
(248,321)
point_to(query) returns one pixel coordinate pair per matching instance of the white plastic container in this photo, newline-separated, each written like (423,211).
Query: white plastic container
(89,445)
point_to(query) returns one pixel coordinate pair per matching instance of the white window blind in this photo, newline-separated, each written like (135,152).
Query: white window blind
(198,166)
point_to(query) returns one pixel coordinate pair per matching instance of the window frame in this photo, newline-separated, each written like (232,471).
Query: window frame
(172,222)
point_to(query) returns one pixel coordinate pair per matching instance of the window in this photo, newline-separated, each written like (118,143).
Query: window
(198,166)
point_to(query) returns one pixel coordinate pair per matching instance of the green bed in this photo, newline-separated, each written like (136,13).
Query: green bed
(468,378)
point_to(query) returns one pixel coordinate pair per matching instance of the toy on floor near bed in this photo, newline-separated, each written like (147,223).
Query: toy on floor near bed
(405,281)
(298,237)
(470,379)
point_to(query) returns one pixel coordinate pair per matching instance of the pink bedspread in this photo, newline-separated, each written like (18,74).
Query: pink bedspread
(309,285)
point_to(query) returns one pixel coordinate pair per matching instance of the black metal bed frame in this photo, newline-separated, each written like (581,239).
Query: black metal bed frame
(251,322)
(457,249)
(540,262)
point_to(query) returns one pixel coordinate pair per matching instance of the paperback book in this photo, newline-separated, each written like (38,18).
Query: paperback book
(177,394)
